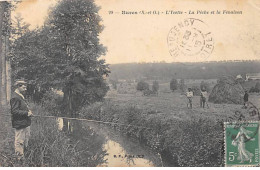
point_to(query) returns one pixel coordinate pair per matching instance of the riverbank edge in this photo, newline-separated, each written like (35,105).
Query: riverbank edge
(195,141)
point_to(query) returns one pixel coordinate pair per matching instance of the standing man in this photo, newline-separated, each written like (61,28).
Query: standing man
(246,99)
(203,95)
(189,95)
(21,118)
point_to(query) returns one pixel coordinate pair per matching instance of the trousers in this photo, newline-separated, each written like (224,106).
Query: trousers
(21,141)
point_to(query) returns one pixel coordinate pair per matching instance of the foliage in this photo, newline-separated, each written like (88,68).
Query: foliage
(178,142)
(52,102)
(255,89)
(205,86)
(182,85)
(165,71)
(257,86)
(142,85)
(114,83)
(196,90)
(51,147)
(174,84)
(155,86)
(65,53)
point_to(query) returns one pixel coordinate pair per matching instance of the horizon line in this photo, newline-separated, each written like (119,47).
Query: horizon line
(164,62)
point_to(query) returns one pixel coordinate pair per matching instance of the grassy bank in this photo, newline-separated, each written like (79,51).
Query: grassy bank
(49,146)
(184,137)
(196,141)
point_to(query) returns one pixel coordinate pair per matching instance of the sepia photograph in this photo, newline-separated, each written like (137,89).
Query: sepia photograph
(129,83)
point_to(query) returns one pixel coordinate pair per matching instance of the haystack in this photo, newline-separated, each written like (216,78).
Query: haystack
(228,91)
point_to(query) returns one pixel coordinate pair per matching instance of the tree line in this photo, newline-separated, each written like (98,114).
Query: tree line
(63,54)
(165,71)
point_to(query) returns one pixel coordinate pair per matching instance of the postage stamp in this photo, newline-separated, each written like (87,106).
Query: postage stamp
(190,37)
(241,143)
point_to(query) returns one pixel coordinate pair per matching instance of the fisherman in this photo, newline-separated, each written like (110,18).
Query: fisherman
(246,99)
(203,95)
(21,119)
(189,95)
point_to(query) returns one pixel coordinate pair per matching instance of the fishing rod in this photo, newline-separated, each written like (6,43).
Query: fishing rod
(88,120)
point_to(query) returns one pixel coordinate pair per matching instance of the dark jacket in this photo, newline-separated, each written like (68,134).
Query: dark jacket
(19,111)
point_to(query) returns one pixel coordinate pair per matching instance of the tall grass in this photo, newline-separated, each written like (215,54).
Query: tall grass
(49,146)
(195,141)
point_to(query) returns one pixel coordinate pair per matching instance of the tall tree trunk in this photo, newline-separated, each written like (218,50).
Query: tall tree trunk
(2,91)
(8,79)
(8,63)
(5,70)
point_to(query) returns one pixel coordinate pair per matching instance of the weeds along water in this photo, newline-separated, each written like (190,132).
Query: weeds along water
(194,141)
(51,147)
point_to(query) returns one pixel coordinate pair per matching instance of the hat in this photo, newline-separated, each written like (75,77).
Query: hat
(18,82)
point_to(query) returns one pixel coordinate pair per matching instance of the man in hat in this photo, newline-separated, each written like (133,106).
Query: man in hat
(21,118)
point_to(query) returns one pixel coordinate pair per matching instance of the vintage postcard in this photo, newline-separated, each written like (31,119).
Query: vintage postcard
(129,83)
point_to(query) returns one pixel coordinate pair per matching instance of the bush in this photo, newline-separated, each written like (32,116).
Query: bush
(52,102)
(114,83)
(178,142)
(51,147)
(205,85)
(257,87)
(182,85)
(142,85)
(174,84)
(155,86)
(196,90)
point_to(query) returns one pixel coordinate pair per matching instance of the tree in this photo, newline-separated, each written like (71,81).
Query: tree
(64,54)
(205,86)
(173,84)
(182,85)
(5,24)
(142,85)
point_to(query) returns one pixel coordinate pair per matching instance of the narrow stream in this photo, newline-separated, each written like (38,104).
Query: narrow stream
(120,151)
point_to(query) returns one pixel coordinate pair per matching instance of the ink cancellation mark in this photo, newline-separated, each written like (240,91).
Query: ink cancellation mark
(190,37)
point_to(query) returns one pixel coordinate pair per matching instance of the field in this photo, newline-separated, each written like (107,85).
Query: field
(187,137)
(175,103)
(163,123)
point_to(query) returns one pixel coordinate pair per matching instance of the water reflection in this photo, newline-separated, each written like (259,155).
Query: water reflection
(117,151)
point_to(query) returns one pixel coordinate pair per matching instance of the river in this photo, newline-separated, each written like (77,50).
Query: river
(120,151)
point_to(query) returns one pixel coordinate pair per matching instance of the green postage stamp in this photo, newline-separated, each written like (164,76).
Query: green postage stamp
(242,143)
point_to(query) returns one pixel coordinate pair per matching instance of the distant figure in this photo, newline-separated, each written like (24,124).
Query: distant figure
(203,95)
(246,99)
(189,95)
(21,119)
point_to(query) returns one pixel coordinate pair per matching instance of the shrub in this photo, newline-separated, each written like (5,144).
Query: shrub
(182,85)
(155,86)
(174,84)
(142,85)
(196,90)
(52,102)
(257,87)
(205,85)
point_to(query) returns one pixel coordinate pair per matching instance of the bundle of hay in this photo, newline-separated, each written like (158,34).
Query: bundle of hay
(227,90)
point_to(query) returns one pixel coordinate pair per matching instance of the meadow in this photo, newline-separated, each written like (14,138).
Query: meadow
(183,136)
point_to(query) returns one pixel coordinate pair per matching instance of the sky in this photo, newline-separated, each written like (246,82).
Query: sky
(144,38)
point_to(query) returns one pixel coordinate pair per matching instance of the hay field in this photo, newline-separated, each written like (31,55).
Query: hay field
(174,104)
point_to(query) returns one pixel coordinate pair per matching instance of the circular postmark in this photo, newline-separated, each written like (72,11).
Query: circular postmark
(241,122)
(190,37)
